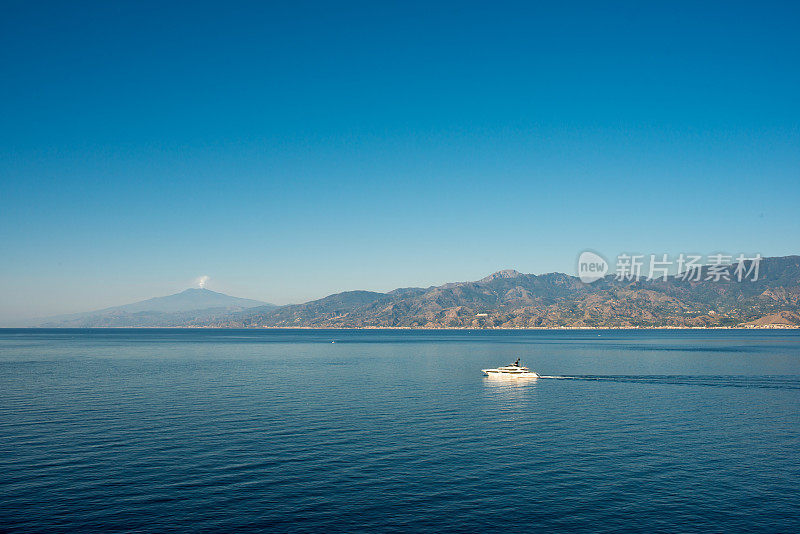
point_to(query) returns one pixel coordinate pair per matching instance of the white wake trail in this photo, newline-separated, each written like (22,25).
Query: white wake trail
(562,377)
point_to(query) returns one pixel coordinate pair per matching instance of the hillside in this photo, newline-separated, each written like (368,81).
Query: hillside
(509,299)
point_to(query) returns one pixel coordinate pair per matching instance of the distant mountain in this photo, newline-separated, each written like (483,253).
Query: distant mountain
(187,300)
(507,273)
(509,299)
(187,308)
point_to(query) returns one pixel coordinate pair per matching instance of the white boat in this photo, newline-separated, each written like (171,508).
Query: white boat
(515,370)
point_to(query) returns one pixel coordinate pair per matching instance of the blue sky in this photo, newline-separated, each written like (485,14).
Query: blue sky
(293,150)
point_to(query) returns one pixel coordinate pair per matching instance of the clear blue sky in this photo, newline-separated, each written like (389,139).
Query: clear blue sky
(293,150)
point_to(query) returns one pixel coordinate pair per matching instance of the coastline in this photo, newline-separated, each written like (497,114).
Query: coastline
(409,328)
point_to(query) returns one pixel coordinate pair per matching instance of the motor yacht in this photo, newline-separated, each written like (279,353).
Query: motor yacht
(515,369)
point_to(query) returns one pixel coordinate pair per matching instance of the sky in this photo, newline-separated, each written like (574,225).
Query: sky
(291,150)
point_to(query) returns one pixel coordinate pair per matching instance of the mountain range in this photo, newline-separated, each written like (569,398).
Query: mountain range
(505,299)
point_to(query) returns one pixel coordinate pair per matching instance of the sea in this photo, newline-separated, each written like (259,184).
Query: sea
(182,430)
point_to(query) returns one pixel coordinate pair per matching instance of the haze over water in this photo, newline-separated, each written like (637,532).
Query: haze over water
(397,431)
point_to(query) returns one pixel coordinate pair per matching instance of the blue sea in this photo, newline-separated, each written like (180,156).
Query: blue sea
(398,431)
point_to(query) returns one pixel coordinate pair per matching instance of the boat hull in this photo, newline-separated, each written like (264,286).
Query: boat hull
(509,374)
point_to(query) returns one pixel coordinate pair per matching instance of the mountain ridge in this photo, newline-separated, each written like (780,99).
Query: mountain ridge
(509,299)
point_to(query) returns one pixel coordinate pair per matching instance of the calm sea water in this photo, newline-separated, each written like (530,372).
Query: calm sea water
(390,431)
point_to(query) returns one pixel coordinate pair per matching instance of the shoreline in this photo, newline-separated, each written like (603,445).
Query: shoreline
(403,328)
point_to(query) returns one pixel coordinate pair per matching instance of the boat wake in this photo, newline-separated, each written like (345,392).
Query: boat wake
(740,381)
